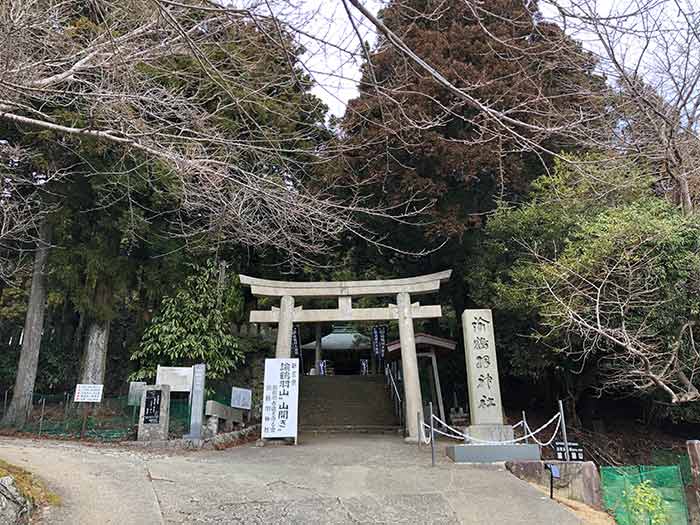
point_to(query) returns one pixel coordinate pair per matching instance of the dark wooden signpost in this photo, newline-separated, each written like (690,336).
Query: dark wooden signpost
(574,450)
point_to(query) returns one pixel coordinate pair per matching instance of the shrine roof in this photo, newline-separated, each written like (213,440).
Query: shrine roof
(342,338)
(426,341)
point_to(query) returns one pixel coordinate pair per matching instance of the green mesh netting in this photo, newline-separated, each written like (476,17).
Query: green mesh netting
(111,420)
(618,482)
(660,456)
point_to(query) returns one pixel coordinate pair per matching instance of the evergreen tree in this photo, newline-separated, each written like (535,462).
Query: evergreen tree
(193,325)
(416,141)
(426,142)
(602,273)
(128,213)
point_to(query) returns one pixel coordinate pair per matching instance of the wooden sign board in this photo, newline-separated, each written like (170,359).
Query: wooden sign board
(575,451)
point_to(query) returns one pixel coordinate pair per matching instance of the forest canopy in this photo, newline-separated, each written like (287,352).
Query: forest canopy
(152,150)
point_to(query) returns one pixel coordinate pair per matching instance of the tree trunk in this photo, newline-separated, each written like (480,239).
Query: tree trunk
(684,195)
(95,353)
(97,339)
(17,412)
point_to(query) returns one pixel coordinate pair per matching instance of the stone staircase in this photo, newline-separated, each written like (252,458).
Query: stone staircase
(346,404)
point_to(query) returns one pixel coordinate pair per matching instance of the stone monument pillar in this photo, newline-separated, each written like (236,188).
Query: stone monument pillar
(485,408)
(409,365)
(285,327)
(197,401)
(154,416)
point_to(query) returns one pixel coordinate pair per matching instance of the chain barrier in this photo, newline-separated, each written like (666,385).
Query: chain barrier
(462,436)
(551,440)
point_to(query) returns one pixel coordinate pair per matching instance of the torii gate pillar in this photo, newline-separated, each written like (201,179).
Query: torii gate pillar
(285,327)
(409,366)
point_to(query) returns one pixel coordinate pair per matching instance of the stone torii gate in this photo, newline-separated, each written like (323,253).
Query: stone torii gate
(403,311)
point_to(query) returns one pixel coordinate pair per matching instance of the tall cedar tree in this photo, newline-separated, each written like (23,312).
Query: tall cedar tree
(425,140)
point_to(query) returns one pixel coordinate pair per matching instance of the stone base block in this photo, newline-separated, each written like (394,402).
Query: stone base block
(214,408)
(492,432)
(492,453)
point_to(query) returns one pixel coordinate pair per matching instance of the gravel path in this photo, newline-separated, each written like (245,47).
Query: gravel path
(96,485)
(334,479)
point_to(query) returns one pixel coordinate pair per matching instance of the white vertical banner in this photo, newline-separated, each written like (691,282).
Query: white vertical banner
(280,398)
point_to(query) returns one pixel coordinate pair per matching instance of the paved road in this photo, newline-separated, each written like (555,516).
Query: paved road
(334,479)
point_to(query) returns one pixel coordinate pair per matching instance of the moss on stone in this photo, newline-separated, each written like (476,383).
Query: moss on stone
(30,487)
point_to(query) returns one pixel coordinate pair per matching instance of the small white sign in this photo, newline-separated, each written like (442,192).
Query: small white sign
(241,398)
(178,378)
(280,398)
(86,393)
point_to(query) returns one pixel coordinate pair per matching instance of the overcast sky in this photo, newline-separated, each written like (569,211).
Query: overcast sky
(333,55)
(336,72)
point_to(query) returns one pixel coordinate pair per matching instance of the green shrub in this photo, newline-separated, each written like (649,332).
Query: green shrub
(647,505)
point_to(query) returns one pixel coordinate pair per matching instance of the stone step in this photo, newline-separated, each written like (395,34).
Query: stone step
(339,414)
(347,407)
(349,377)
(345,404)
(359,429)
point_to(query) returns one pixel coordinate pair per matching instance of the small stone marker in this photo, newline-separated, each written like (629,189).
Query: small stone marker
(197,400)
(485,407)
(154,417)
(217,413)
(136,389)
(241,398)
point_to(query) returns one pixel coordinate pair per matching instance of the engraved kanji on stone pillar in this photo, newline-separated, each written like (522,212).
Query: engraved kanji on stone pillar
(485,408)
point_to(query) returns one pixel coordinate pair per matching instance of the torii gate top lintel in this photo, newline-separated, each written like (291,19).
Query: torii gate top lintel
(344,291)
(421,284)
